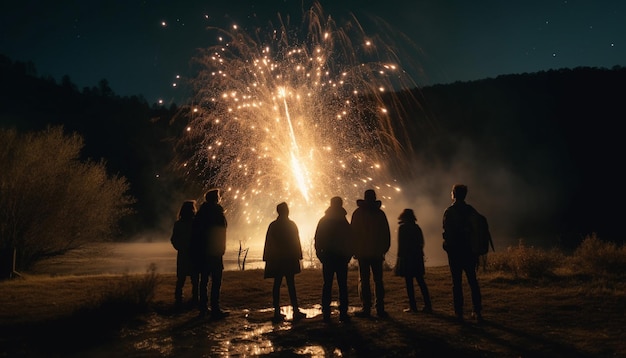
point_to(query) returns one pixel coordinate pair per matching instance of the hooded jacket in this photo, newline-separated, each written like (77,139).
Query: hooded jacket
(333,236)
(209,231)
(370,230)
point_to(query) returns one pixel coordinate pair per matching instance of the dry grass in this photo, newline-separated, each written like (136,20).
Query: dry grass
(562,315)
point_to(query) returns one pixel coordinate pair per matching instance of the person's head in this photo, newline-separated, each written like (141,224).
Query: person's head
(407,216)
(282,209)
(370,195)
(336,202)
(212,196)
(459,191)
(187,209)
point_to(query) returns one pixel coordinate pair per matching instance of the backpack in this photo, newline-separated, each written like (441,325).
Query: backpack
(480,237)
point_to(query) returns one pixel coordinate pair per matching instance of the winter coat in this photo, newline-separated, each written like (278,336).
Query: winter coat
(410,261)
(370,230)
(209,233)
(181,241)
(333,236)
(456,228)
(282,252)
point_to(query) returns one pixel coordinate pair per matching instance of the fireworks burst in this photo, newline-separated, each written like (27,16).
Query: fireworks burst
(297,115)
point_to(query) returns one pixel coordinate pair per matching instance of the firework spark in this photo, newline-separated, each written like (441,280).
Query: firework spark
(296,115)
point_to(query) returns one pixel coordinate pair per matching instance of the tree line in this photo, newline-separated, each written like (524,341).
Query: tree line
(134,138)
(558,128)
(559,124)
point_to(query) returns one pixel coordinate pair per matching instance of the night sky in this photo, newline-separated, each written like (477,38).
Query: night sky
(141,47)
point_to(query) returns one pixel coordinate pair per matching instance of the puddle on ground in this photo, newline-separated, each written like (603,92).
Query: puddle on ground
(243,334)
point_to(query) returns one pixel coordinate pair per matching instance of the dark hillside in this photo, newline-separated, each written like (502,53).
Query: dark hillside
(557,129)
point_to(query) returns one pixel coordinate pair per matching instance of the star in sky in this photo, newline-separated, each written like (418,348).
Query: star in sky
(141,47)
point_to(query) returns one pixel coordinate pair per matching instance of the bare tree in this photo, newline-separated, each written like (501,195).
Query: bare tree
(50,200)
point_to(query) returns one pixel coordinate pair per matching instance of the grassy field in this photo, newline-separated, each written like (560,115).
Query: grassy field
(559,313)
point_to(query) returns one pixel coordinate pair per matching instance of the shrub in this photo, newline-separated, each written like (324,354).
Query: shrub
(526,261)
(130,297)
(50,200)
(595,256)
(132,294)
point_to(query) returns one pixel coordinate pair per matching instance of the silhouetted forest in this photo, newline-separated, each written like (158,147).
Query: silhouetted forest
(558,127)
(133,137)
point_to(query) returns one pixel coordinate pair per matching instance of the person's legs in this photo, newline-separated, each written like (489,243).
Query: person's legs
(472,280)
(410,291)
(456,271)
(195,278)
(203,291)
(276,293)
(425,294)
(342,283)
(365,290)
(291,288)
(217,269)
(276,299)
(327,273)
(216,285)
(377,274)
(178,290)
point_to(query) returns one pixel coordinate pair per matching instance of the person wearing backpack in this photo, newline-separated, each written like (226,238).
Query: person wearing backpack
(457,243)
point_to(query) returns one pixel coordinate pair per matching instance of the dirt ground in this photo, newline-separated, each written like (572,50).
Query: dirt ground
(557,318)
(521,321)
(251,333)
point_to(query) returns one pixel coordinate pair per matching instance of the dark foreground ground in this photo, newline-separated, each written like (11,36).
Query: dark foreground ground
(560,317)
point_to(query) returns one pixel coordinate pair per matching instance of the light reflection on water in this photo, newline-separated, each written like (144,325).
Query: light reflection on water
(314,311)
(243,334)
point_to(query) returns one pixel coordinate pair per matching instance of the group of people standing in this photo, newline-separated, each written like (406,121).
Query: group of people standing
(200,238)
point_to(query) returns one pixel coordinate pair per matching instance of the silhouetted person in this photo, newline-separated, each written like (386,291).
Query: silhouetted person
(181,240)
(209,245)
(282,254)
(456,242)
(333,248)
(410,262)
(371,238)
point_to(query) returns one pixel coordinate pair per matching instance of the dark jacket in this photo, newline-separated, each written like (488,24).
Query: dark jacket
(181,240)
(456,228)
(282,252)
(370,230)
(333,237)
(410,260)
(209,232)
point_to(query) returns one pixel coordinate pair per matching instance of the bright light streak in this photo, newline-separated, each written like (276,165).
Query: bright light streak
(280,119)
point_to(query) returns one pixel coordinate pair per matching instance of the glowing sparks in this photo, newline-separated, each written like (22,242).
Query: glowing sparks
(279,119)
